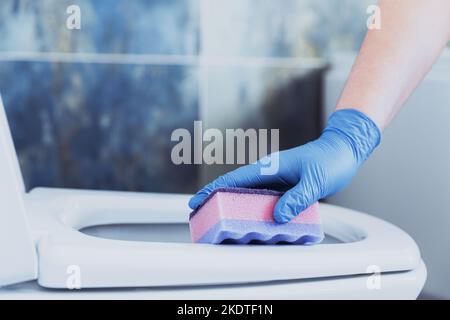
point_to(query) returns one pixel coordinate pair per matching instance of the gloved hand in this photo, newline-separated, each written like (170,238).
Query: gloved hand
(312,171)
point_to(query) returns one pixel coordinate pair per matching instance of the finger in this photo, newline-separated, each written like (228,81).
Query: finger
(295,200)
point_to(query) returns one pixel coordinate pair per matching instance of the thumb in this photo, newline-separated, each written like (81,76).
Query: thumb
(295,200)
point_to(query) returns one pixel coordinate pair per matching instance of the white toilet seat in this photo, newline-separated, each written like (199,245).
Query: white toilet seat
(56,215)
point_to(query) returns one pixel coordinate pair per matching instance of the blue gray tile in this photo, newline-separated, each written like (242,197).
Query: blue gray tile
(99,126)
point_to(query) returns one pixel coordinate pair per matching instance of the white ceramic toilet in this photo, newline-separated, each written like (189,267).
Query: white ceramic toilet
(137,246)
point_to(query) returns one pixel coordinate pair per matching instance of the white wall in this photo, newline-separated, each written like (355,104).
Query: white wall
(407,179)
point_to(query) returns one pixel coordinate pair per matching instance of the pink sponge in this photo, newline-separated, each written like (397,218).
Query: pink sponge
(238,215)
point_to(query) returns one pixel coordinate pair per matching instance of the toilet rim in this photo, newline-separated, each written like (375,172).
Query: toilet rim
(370,244)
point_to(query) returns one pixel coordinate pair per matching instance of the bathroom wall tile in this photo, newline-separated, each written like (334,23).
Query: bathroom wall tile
(100,126)
(282,28)
(107,126)
(108,26)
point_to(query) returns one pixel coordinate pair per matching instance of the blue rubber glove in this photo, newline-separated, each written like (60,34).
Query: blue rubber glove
(312,171)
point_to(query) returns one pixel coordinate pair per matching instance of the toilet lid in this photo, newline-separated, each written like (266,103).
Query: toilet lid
(18,260)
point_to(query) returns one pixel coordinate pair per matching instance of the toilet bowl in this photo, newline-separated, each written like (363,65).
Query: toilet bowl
(62,244)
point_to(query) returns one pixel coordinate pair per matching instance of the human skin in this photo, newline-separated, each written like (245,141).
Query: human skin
(394,59)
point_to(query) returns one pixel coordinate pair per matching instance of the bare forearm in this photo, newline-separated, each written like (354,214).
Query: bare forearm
(394,59)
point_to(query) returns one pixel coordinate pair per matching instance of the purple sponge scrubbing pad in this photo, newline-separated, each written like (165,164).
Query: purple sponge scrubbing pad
(238,215)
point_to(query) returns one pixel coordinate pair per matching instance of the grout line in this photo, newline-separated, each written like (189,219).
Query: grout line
(180,60)
(97,58)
